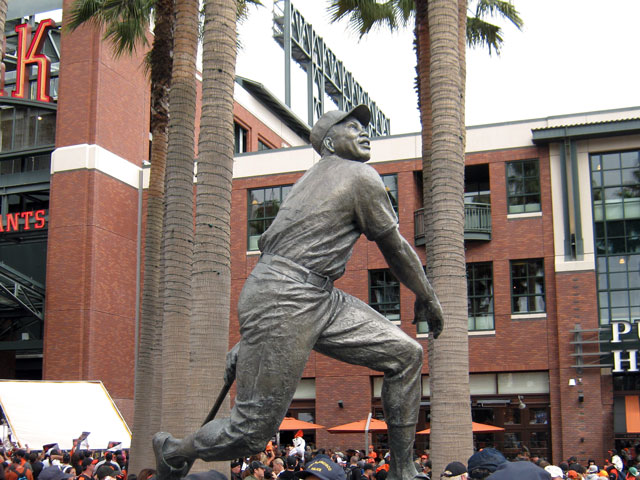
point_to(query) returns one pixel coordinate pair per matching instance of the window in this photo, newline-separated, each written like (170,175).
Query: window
(384,293)
(263,146)
(615,186)
(523,186)
(24,201)
(480,296)
(31,163)
(240,134)
(264,204)
(391,186)
(26,128)
(476,184)
(527,282)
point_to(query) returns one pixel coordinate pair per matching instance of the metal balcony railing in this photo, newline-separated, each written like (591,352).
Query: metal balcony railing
(477,223)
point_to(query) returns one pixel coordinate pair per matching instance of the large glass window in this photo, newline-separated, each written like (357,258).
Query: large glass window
(527,281)
(480,296)
(391,185)
(24,201)
(615,187)
(523,186)
(23,128)
(384,293)
(264,204)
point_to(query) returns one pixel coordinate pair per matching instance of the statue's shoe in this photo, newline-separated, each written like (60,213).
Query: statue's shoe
(165,471)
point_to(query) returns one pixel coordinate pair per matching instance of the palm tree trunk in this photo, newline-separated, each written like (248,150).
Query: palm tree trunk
(451,437)
(178,225)
(147,400)
(212,257)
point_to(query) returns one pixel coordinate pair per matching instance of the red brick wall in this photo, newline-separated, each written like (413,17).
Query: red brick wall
(91,252)
(102,100)
(540,344)
(91,260)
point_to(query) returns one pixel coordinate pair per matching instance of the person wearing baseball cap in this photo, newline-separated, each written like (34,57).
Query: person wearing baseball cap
(323,469)
(455,470)
(305,249)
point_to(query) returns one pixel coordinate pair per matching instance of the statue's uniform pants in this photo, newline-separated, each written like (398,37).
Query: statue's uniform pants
(281,320)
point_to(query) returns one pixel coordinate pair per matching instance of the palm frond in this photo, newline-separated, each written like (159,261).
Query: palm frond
(484,34)
(126,22)
(363,15)
(481,33)
(499,8)
(83,11)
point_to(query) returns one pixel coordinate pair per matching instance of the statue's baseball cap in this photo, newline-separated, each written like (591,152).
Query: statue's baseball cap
(323,468)
(329,119)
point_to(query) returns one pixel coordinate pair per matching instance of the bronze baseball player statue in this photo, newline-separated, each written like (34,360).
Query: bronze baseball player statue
(289,301)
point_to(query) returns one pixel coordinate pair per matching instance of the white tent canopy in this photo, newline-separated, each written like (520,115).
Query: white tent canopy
(44,412)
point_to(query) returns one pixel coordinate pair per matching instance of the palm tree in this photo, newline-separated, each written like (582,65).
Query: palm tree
(212,256)
(126,25)
(364,15)
(442,30)
(448,357)
(178,220)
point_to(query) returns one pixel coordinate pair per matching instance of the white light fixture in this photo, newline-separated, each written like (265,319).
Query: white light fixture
(521,404)
(572,382)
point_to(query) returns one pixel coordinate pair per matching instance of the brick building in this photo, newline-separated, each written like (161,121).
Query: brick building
(543,288)
(552,238)
(72,179)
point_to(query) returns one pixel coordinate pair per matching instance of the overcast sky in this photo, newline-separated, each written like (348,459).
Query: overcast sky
(571,56)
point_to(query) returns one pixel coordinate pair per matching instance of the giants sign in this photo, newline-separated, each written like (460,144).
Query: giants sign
(23,221)
(30,54)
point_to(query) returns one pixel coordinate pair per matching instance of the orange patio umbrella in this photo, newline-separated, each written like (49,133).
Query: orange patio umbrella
(359,427)
(290,423)
(475,427)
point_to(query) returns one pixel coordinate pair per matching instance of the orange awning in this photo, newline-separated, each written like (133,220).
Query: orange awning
(475,427)
(290,423)
(358,427)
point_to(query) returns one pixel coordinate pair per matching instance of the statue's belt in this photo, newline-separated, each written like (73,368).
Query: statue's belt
(298,272)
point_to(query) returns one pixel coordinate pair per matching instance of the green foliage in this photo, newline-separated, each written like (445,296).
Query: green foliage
(482,33)
(363,15)
(126,22)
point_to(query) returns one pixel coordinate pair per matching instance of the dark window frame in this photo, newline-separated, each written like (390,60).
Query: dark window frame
(522,198)
(264,220)
(472,297)
(264,145)
(390,181)
(528,264)
(390,309)
(240,132)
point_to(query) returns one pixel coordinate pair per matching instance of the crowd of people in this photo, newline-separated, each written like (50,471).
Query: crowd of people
(55,464)
(295,462)
(488,463)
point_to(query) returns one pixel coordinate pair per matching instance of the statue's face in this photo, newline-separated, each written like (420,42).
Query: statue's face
(350,140)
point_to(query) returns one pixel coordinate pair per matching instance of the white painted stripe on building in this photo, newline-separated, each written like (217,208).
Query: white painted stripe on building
(272,162)
(95,157)
(300,159)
